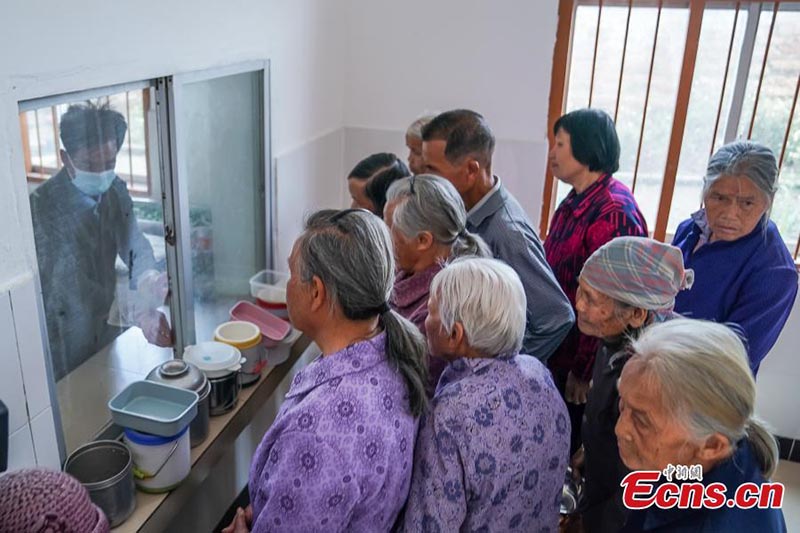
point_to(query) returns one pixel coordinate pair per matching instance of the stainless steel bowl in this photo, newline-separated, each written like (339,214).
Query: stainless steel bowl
(105,468)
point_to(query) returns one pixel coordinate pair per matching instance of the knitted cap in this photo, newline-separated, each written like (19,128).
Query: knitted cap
(47,501)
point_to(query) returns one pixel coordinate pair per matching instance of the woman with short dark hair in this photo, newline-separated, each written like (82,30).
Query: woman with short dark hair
(371,178)
(597,209)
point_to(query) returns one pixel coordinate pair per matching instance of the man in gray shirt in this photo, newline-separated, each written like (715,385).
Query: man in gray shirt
(82,220)
(458,145)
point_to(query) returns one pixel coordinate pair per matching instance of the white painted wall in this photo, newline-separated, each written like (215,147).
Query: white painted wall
(347,78)
(97,43)
(405,58)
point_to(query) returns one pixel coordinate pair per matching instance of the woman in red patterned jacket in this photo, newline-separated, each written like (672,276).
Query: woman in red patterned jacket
(597,209)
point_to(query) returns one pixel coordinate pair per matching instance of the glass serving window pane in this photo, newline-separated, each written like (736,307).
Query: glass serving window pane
(707,83)
(101,263)
(772,118)
(661,110)
(222,139)
(663,88)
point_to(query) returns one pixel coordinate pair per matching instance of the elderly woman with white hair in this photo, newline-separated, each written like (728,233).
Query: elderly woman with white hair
(492,451)
(744,272)
(624,286)
(427,220)
(414,142)
(687,398)
(338,457)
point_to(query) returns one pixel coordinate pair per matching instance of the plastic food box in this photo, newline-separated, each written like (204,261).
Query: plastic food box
(154,408)
(268,287)
(273,329)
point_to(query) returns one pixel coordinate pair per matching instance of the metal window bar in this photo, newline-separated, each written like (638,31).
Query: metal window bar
(622,63)
(742,72)
(594,54)
(696,11)
(725,79)
(786,142)
(789,125)
(763,68)
(646,97)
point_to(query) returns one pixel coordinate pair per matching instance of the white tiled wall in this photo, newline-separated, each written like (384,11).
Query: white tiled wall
(23,379)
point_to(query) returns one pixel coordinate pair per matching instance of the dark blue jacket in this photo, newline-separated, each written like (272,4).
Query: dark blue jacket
(742,467)
(751,281)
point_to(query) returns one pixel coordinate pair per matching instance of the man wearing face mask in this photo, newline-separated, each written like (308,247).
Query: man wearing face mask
(83,219)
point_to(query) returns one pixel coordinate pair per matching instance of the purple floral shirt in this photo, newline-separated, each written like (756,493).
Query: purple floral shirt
(491,454)
(339,455)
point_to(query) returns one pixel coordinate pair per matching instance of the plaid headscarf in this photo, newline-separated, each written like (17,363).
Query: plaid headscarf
(638,271)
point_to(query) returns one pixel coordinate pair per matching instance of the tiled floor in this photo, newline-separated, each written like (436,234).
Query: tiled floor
(789,474)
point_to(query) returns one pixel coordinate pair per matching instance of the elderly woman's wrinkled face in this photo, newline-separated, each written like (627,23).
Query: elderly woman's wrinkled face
(598,315)
(406,253)
(358,194)
(734,206)
(439,341)
(649,436)
(415,162)
(298,293)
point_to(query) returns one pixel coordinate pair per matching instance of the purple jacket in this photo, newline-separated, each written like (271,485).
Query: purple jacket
(339,455)
(492,453)
(410,300)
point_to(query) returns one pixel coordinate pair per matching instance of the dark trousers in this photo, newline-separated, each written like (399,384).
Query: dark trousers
(575,411)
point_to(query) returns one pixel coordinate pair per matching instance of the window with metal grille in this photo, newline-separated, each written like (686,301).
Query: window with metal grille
(680,79)
(41,142)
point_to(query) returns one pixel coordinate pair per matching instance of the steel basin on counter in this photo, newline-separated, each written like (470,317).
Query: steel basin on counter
(105,468)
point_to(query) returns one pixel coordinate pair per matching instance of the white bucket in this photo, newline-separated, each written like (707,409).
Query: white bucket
(160,463)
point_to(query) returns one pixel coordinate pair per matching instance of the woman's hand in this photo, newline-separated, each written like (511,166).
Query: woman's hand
(241,522)
(576,389)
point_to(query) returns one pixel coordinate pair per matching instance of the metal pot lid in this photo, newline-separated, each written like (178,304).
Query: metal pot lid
(179,373)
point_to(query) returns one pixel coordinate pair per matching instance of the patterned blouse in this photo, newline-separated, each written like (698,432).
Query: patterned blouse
(339,455)
(582,224)
(492,452)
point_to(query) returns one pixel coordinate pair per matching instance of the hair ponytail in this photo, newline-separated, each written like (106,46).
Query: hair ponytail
(763,444)
(405,350)
(470,244)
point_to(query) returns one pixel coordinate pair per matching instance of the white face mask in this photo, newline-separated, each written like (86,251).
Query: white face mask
(93,183)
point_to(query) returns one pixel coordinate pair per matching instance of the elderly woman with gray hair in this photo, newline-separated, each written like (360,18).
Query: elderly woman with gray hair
(492,451)
(427,220)
(339,455)
(744,272)
(624,286)
(687,398)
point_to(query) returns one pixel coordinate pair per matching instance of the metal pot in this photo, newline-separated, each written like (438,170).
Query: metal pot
(179,373)
(224,393)
(104,467)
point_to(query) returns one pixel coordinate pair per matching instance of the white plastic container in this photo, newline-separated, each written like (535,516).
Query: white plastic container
(245,337)
(160,463)
(215,359)
(268,287)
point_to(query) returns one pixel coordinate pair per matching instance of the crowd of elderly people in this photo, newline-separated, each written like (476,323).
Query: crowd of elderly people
(468,370)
